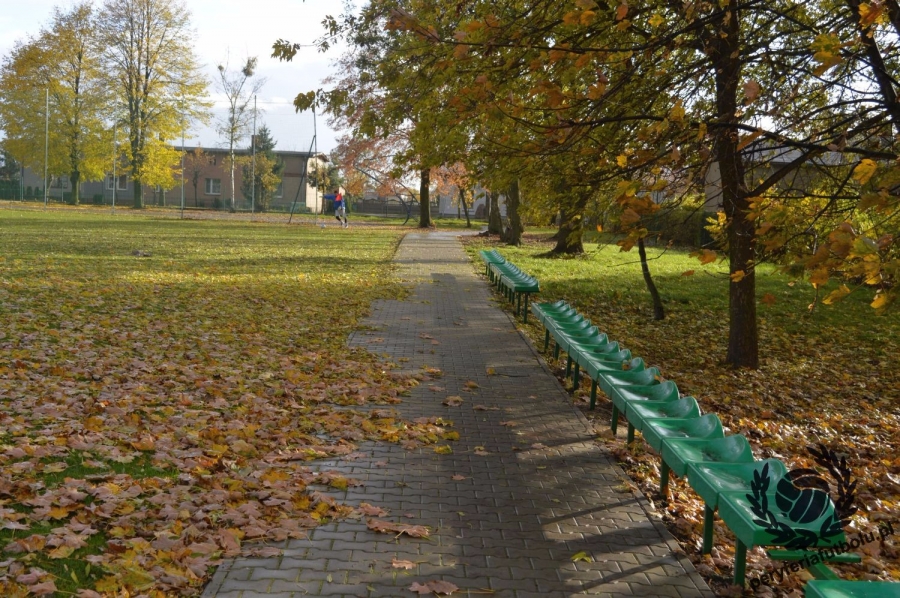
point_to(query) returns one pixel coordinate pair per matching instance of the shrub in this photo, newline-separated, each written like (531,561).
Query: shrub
(98,199)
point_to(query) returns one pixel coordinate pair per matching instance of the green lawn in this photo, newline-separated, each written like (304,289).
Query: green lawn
(152,369)
(830,375)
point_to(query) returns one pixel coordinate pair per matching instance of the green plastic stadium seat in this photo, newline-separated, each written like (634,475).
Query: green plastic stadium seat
(705,427)
(709,480)
(851,589)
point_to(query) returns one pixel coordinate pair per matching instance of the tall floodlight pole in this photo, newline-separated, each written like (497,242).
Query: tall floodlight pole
(46,144)
(182,157)
(115,181)
(253,163)
(316,158)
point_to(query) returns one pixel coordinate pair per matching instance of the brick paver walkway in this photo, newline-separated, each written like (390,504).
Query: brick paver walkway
(543,492)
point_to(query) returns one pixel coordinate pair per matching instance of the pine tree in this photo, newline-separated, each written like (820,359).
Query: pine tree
(266,174)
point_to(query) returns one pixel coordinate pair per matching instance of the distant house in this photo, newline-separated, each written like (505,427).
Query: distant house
(212,189)
(762,160)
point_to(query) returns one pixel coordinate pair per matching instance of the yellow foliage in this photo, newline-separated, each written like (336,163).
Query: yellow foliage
(836,295)
(819,277)
(864,170)
(676,114)
(881,300)
(629,217)
(706,256)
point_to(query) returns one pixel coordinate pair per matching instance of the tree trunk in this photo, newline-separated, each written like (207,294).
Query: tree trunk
(658,311)
(571,222)
(424,201)
(138,195)
(743,335)
(231,173)
(876,63)
(495,221)
(513,234)
(462,201)
(75,180)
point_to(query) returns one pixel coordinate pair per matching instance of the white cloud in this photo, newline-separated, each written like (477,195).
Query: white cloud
(241,29)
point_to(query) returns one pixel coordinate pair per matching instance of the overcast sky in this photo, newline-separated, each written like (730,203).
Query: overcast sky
(235,28)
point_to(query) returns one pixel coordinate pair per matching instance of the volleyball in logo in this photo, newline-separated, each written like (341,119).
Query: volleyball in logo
(802,495)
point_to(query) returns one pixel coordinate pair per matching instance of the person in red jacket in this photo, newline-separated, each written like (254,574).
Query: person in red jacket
(340,208)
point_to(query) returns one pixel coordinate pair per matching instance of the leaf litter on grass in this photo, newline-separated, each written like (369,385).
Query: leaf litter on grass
(158,415)
(830,377)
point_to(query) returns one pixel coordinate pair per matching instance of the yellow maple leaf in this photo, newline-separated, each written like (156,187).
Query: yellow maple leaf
(864,170)
(656,20)
(61,552)
(707,256)
(738,275)
(881,300)
(622,160)
(836,295)
(819,277)
(629,216)
(676,114)
(144,444)
(58,513)
(582,556)
(443,450)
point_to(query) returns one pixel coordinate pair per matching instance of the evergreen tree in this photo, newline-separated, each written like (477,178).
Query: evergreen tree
(266,174)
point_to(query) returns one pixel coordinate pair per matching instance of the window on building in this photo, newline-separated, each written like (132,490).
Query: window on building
(213,186)
(122,182)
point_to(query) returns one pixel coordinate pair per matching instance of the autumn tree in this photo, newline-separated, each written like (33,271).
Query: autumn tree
(64,60)
(155,77)
(358,102)
(239,88)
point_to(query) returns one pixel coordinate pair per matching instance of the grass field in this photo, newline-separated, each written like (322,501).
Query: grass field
(163,384)
(161,378)
(829,375)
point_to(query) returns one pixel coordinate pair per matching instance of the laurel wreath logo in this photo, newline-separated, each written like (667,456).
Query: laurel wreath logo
(803,496)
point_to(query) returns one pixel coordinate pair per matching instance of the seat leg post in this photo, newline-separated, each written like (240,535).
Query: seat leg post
(568,366)
(546,339)
(708,520)
(740,564)
(614,422)
(664,479)
(576,377)
(555,349)
(630,437)
(593,394)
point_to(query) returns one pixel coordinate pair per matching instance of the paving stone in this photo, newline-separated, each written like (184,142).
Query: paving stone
(515,522)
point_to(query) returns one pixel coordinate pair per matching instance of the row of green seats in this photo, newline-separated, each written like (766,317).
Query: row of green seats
(510,280)
(755,498)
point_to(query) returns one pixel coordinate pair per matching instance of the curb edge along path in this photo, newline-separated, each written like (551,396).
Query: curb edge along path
(537,490)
